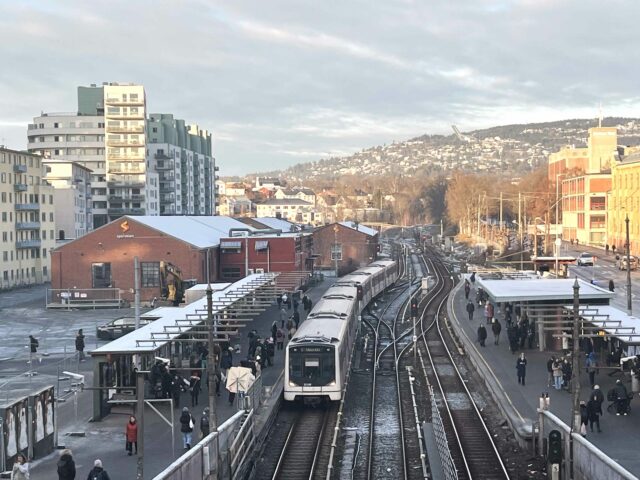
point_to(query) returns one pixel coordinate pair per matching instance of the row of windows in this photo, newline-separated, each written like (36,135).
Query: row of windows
(18,159)
(101,274)
(23,273)
(25,254)
(8,217)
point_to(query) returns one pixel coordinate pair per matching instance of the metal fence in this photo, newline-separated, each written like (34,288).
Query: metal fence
(218,455)
(448,467)
(83,298)
(589,461)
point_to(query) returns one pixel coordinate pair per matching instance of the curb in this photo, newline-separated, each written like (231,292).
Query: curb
(521,426)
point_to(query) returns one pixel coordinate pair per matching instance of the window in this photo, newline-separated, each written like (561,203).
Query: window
(101,275)
(231,272)
(150,274)
(336,251)
(44,253)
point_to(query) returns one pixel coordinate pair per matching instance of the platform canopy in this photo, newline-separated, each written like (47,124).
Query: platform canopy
(615,322)
(541,289)
(172,322)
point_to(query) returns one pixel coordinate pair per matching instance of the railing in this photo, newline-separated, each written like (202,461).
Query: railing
(28,226)
(588,461)
(20,187)
(32,243)
(120,101)
(19,168)
(222,452)
(83,297)
(448,467)
(123,184)
(126,129)
(125,211)
(125,143)
(27,206)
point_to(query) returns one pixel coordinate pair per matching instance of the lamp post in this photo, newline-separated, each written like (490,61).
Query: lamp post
(628,247)
(575,410)
(211,363)
(335,246)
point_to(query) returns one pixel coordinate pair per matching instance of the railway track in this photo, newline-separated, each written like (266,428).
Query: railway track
(472,448)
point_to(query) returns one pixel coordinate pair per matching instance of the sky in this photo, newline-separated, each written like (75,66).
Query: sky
(280,82)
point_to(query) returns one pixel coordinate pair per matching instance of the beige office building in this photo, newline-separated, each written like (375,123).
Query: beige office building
(27,220)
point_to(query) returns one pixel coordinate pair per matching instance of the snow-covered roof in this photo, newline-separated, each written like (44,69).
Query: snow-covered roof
(372,232)
(276,223)
(170,316)
(540,289)
(199,231)
(612,320)
(285,201)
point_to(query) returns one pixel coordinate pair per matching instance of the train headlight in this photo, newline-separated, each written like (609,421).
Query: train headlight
(292,384)
(332,384)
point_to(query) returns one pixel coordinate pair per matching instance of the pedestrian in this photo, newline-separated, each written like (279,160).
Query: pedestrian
(131,435)
(226,361)
(307,304)
(482,335)
(467,289)
(496,328)
(285,299)
(20,470)
(204,423)
(557,374)
(296,318)
(97,472)
(611,285)
(521,367)
(594,412)
(613,249)
(271,351)
(280,339)
(176,390)
(279,300)
(532,335)
(186,427)
(488,312)
(621,398)
(274,330)
(550,363)
(283,316)
(66,466)
(194,388)
(33,344)
(292,331)
(591,367)
(577,241)
(80,345)
(606,249)
(567,373)
(584,418)
(288,301)
(512,335)
(473,277)
(571,241)
(470,309)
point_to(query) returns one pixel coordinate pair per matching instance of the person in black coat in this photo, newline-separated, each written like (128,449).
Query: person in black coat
(296,318)
(97,472)
(621,397)
(482,335)
(521,367)
(194,386)
(593,412)
(66,466)
(186,427)
(496,328)
(80,345)
(33,344)
(470,309)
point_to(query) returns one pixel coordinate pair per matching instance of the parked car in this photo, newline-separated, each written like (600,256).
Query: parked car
(586,258)
(118,327)
(633,262)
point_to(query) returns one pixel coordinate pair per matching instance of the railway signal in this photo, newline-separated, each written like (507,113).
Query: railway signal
(554,454)
(414,308)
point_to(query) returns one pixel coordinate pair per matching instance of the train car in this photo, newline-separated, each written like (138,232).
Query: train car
(317,358)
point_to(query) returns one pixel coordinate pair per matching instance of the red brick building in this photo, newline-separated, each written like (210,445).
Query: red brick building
(104,257)
(286,252)
(352,244)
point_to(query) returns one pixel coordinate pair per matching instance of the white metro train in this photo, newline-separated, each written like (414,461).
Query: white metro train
(318,356)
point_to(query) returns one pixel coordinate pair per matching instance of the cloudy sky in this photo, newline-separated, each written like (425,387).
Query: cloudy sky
(287,81)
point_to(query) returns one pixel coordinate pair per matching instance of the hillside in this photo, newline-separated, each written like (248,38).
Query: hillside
(518,148)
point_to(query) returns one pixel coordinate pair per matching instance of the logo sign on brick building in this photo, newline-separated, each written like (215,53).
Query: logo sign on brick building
(124,227)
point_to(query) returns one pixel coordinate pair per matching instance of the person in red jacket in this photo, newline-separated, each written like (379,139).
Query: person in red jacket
(132,434)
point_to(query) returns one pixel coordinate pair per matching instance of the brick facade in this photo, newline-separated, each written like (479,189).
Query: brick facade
(358,248)
(71,264)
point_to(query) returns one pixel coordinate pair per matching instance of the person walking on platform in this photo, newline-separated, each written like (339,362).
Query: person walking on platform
(488,312)
(567,373)
(186,427)
(584,418)
(467,289)
(279,301)
(194,387)
(521,368)
(66,466)
(97,472)
(280,339)
(613,249)
(512,335)
(296,318)
(482,335)
(131,435)
(285,299)
(496,328)
(473,278)
(274,330)
(283,316)
(621,397)
(596,392)
(550,363)
(470,309)
(612,285)
(592,366)
(204,423)
(20,470)
(270,348)
(594,410)
(557,374)
(80,345)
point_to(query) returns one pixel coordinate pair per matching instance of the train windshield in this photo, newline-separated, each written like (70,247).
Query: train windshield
(312,366)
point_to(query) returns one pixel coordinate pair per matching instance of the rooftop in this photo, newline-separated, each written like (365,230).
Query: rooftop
(286,201)
(360,228)
(541,289)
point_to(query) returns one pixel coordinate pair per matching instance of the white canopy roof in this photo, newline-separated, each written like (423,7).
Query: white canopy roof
(372,232)
(615,322)
(540,289)
(169,317)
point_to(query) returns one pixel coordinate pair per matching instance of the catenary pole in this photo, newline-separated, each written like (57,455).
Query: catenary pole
(575,365)
(628,246)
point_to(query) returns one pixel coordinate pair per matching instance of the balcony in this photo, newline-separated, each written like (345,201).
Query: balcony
(125,143)
(20,168)
(23,207)
(123,157)
(19,187)
(117,170)
(126,129)
(162,156)
(129,198)
(169,197)
(125,211)
(33,243)
(165,166)
(126,116)
(123,184)
(121,101)
(27,225)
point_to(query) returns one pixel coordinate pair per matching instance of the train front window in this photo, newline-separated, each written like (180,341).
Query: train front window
(312,366)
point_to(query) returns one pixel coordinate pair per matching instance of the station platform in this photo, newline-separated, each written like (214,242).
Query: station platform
(105,439)
(499,368)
